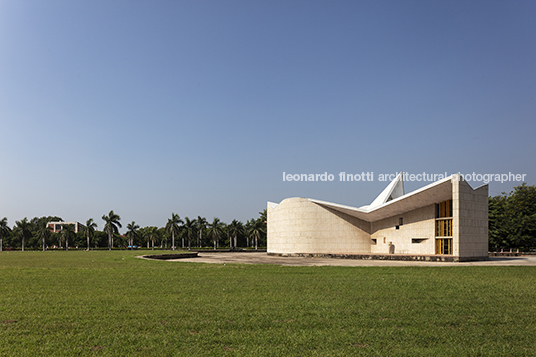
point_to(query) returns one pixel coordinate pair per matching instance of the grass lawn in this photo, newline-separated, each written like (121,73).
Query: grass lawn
(105,303)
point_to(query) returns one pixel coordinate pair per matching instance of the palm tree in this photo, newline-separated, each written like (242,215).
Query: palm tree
(215,230)
(163,238)
(247,229)
(264,216)
(145,235)
(22,229)
(256,228)
(67,231)
(89,229)
(110,227)
(132,233)
(172,227)
(152,233)
(4,231)
(201,223)
(233,230)
(189,230)
(229,236)
(263,220)
(44,233)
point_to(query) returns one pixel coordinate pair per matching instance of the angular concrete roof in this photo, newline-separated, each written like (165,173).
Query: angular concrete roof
(392,201)
(394,190)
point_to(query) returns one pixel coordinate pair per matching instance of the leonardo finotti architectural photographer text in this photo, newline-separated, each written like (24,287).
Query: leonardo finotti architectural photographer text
(369,176)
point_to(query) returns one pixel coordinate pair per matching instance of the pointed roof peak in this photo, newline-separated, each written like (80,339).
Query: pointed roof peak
(394,190)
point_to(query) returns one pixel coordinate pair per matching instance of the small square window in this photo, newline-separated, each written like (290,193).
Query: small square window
(374,241)
(397,227)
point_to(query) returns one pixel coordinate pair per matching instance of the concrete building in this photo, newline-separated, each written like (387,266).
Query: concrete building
(55,227)
(445,221)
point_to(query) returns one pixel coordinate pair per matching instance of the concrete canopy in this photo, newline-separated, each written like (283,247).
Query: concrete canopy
(382,207)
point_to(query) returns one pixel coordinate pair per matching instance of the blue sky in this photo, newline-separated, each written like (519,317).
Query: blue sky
(198,107)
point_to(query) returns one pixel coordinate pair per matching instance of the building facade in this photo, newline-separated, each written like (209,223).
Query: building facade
(55,227)
(446,220)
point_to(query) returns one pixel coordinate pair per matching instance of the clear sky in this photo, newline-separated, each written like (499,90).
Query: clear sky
(198,107)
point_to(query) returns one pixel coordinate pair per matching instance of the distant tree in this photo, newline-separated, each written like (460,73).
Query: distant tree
(89,230)
(512,219)
(263,221)
(173,228)
(22,230)
(163,237)
(132,232)
(152,234)
(228,234)
(147,237)
(143,233)
(234,229)
(215,231)
(121,240)
(111,226)
(79,238)
(264,216)
(4,231)
(67,232)
(498,222)
(35,225)
(255,230)
(201,224)
(189,230)
(99,239)
(43,234)
(522,207)
(247,229)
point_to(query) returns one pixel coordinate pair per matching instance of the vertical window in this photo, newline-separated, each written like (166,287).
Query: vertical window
(444,246)
(444,209)
(444,227)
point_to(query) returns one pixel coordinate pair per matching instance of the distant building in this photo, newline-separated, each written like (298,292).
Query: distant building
(446,220)
(55,227)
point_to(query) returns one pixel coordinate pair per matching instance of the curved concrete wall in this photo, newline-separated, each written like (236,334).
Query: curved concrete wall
(297,225)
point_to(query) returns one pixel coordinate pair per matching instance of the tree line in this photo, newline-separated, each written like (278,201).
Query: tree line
(512,219)
(177,233)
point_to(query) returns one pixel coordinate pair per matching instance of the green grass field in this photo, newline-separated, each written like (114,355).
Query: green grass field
(81,303)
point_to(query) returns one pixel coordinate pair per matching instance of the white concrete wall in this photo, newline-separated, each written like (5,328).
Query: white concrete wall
(297,225)
(419,223)
(470,225)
